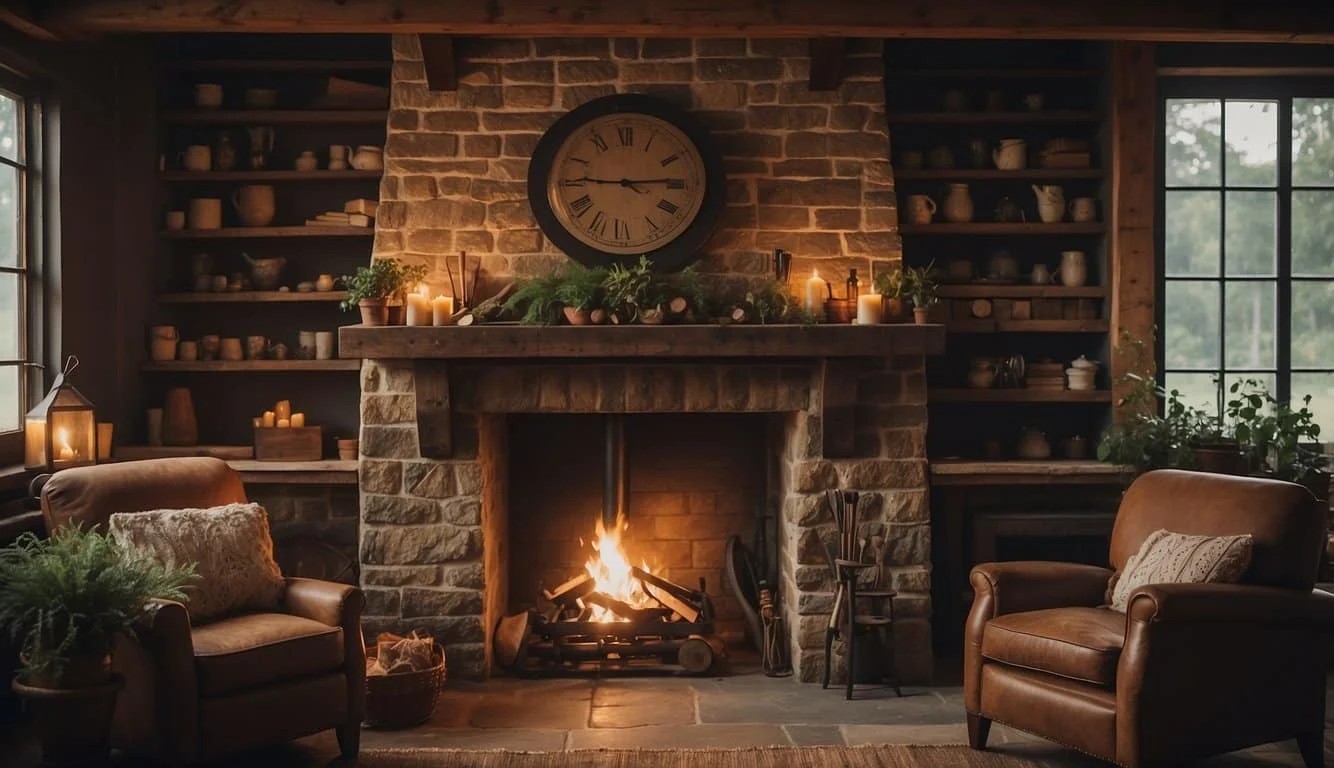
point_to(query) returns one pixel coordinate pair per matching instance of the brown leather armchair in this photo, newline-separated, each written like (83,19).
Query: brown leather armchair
(197,692)
(1190,670)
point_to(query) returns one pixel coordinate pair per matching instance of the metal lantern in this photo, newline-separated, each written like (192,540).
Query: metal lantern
(60,431)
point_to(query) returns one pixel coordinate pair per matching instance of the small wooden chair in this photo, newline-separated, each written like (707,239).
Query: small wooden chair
(847,623)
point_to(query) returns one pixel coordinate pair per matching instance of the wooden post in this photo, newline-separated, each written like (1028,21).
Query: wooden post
(838,422)
(438,59)
(1134,127)
(434,418)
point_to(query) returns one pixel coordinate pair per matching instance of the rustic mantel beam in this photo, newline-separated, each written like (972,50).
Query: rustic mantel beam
(24,16)
(1154,20)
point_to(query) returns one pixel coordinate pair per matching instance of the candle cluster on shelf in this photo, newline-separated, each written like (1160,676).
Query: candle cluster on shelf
(281,417)
(422,310)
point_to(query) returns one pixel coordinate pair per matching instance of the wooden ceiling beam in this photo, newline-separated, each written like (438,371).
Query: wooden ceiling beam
(23,16)
(1153,20)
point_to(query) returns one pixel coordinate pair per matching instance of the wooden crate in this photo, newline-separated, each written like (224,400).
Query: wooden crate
(289,443)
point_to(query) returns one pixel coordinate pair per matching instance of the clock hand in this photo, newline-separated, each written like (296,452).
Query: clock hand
(632,184)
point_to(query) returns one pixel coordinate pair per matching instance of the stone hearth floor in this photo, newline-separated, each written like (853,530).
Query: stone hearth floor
(745,709)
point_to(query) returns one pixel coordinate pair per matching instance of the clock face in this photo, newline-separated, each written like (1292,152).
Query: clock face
(627,175)
(626,183)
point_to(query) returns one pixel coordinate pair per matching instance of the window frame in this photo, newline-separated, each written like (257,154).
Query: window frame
(1239,88)
(29,267)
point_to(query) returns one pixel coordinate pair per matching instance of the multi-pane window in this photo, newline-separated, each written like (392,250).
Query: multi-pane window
(15,188)
(1248,242)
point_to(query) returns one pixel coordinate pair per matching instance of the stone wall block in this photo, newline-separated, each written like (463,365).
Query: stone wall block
(389,442)
(388,409)
(381,602)
(429,480)
(422,575)
(398,510)
(380,476)
(469,476)
(419,601)
(419,545)
(872,474)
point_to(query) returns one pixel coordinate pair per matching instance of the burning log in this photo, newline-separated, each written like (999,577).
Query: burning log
(625,610)
(677,598)
(570,592)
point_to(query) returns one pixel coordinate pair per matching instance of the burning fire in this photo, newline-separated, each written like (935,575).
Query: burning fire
(610,570)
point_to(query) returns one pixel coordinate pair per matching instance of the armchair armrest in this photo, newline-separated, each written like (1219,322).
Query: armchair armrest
(337,605)
(158,711)
(1001,588)
(1232,603)
(1033,585)
(324,601)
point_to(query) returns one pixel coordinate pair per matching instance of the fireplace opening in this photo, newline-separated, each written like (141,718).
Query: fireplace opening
(619,526)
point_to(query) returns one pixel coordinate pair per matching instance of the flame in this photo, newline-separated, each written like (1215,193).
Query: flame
(66,451)
(610,569)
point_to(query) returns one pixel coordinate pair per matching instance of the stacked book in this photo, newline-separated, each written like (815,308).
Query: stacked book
(355,213)
(1045,376)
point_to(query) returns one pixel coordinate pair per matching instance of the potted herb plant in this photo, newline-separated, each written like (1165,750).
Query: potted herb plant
(629,294)
(405,278)
(65,601)
(580,293)
(369,289)
(922,285)
(889,284)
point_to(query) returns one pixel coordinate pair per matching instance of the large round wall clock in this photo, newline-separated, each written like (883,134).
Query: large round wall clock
(625,176)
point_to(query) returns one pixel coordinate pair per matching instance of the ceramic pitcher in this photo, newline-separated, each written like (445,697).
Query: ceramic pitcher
(1051,202)
(1074,269)
(958,206)
(254,205)
(920,209)
(1010,154)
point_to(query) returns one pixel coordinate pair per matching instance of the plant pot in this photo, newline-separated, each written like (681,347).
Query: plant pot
(577,316)
(73,723)
(348,448)
(397,314)
(1223,458)
(373,312)
(919,315)
(895,311)
(598,316)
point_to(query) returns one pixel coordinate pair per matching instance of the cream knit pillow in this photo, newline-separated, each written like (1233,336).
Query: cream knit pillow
(229,545)
(1176,558)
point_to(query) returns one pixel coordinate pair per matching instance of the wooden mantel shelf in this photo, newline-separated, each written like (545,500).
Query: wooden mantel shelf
(509,341)
(1027,472)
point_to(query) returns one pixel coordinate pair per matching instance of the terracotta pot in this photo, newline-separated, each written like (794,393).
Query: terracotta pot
(373,312)
(73,713)
(895,310)
(598,316)
(396,314)
(577,316)
(179,426)
(919,315)
(348,448)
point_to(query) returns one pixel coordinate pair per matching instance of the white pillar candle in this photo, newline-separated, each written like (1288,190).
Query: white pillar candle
(298,420)
(284,423)
(870,309)
(442,308)
(419,306)
(816,289)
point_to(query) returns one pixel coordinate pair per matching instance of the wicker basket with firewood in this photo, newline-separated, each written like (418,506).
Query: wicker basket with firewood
(404,676)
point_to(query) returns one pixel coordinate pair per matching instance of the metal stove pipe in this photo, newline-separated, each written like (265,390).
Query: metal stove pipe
(615,475)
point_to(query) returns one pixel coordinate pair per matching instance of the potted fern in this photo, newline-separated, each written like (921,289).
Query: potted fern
(889,284)
(580,295)
(922,285)
(65,601)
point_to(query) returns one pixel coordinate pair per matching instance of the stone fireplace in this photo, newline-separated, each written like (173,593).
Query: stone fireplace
(442,523)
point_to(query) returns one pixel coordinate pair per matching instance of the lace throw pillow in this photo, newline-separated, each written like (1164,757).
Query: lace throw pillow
(1176,558)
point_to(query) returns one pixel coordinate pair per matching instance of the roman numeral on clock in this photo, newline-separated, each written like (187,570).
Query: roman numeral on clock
(620,230)
(599,223)
(666,161)
(668,206)
(580,205)
(676,183)
(626,134)
(598,142)
(651,225)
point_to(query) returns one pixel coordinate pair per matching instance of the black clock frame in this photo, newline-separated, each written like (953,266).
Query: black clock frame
(682,250)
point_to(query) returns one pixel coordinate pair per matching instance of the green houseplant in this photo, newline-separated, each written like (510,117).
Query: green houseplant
(1276,436)
(370,287)
(580,293)
(922,285)
(65,601)
(890,285)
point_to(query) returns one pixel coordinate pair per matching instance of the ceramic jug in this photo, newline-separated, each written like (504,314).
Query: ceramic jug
(368,158)
(338,156)
(1033,445)
(958,206)
(1051,202)
(1040,275)
(1010,154)
(920,209)
(1074,269)
(255,205)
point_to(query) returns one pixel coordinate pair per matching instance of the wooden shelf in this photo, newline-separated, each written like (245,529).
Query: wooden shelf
(1020,291)
(1028,326)
(988,118)
(993,174)
(249,297)
(277,65)
(227,233)
(251,366)
(1027,472)
(1005,228)
(967,395)
(273,176)
(276,117)
(322,472)
(994,74)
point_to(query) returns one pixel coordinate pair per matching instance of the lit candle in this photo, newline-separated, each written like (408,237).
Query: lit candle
(282,410)
(442,308)
(258,421)
(870,309)
(269,419)
(419,306)
(284,423)
(816,289)
(298,419)
(66,452)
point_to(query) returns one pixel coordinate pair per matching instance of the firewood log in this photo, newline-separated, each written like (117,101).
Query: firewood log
(489,310)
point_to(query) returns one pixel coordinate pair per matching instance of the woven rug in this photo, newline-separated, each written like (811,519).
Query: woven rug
(886,756)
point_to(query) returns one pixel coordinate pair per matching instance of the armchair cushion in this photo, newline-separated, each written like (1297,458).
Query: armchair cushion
(258,649)
(1176,558)
(230,546)
(1082,644)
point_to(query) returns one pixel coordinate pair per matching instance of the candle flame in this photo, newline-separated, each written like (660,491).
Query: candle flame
(815,274)
(424,290)
(62,435)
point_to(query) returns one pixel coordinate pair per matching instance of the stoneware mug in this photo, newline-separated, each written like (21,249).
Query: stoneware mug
(197,157)
(205,213)
(208,95)
(920,209)
(1083,209)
